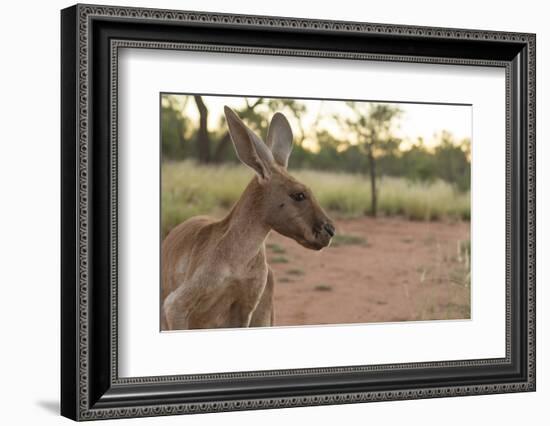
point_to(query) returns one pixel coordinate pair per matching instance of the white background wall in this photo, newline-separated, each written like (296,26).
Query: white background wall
(29,212)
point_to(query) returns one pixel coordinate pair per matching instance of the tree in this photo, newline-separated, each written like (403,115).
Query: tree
(174,127)
(373,125)
(452,159)
(203,139)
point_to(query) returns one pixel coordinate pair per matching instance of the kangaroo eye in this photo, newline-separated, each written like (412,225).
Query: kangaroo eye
(298,196)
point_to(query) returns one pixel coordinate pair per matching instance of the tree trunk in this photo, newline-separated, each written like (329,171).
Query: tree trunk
(181,137)
(203,140)
(220,149)
(372,173)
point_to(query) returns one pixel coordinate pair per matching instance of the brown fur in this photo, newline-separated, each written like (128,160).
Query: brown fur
(215,273)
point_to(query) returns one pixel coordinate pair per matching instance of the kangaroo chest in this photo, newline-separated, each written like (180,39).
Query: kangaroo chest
(240,291)
(246,282)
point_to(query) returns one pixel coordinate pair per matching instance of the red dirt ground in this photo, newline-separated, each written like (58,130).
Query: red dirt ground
(384,269)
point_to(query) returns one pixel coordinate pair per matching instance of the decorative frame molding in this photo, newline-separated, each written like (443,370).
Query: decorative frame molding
(91,388)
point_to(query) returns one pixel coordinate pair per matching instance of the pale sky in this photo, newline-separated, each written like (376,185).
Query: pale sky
(417,120)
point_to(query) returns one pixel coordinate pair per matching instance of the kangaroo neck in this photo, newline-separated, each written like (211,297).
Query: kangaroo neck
(245,230)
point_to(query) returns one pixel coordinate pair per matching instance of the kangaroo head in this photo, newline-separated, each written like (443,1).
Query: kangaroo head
(286,205)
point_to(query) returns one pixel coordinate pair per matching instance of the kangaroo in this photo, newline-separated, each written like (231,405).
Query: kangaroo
(214,272)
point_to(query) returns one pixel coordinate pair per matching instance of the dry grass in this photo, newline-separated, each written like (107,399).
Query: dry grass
(189,189)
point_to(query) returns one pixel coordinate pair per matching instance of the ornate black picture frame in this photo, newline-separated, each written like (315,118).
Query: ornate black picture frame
(90,385)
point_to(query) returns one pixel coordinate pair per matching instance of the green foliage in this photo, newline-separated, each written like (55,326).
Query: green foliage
(374,125)
(174,126)
(452,162)
(449,161)
(369,129)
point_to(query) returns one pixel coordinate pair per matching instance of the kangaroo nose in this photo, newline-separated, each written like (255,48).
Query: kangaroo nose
(330,229)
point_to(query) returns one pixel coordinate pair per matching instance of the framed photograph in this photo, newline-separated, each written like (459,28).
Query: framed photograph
(263,212)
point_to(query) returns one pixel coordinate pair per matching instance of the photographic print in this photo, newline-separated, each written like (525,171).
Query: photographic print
(292,212)
(362,193)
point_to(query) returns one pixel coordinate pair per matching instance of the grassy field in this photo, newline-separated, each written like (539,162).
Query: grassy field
(189,189)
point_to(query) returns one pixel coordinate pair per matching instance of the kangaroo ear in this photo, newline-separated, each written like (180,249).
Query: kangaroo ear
(279,139)
(250,149)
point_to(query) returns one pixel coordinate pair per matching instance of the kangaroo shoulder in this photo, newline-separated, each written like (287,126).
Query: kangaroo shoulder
(184,233)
